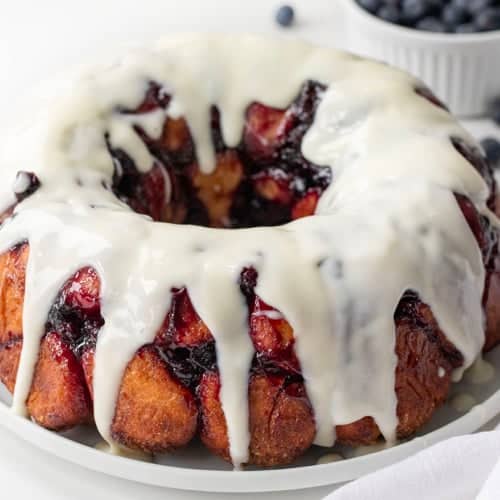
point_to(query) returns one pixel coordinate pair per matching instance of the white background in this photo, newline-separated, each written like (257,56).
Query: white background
(39,38)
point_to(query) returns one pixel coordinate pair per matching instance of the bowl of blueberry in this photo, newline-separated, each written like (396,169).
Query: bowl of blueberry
(452,45)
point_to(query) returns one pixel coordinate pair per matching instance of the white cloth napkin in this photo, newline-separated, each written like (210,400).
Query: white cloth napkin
(461,468)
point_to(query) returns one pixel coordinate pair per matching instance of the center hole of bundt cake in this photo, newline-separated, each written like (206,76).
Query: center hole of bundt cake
(264,181)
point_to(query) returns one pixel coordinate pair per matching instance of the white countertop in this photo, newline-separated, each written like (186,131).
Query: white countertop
(40,38)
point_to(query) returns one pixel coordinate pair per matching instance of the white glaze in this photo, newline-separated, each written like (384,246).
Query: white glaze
(329,458)
(273,315)
(463,402)
(123,452)
(481,372)
(389,222)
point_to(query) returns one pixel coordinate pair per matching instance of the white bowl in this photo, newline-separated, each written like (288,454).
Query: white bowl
(463,70)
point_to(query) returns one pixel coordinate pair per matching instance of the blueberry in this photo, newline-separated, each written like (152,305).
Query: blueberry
(438,3)
(414,10)
(491,147)
(488,19)
(477,6)
(370,5)
(285,15)
(453,16)
(461,4)
(436,6)
(390,14)
(432,24)
(466,28)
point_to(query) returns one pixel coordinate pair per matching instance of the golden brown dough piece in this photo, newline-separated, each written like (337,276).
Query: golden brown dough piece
(423,374)
(12,275)
(216,190)
(149,393)
(154,412)
(281,420)
(59,398)
(10,354)
(419,387)
(362,432)
(176,139)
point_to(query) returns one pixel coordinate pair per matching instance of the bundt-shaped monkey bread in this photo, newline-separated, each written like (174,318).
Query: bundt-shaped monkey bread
(262,243)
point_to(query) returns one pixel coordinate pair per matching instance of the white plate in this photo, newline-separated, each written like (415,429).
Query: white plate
(195,469)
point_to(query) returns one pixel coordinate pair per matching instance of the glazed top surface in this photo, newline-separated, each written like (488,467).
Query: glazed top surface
(389,222)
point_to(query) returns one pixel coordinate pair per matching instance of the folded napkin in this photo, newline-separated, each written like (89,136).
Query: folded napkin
(461,468)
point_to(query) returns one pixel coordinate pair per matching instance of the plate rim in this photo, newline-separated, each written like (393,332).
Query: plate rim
(215,481)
